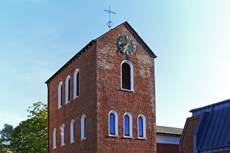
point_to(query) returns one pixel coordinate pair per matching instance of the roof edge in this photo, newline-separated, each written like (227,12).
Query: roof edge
(72,59)
(209,106)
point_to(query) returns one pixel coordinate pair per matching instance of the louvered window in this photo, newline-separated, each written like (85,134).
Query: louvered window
(126,77)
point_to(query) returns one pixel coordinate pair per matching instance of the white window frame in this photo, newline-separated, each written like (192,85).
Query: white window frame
(75,83)
(62,135)
(67,89)
(144,126)
(131,75)
(130,125)
(54,138)
(60,94)
(116,124)
(83,136)
(72,131)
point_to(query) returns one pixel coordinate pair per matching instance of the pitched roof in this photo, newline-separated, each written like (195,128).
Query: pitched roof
(168,130)
(90,44)
(213,128)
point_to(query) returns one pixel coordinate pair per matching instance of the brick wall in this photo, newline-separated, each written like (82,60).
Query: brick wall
(167,148)
(110,97)
(186,141)
(84,104)
(100,92)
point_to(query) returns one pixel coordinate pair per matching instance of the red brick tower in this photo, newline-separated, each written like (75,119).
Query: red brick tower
(103,99)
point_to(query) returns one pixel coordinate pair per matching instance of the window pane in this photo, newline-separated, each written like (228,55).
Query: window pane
(69,90)
(61,95)
(84,127)
(126,125)
(140,127)
(73,130)
(112,123)
(77,79)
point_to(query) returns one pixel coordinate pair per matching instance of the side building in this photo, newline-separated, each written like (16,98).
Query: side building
(103,99)
(208,130)
(168,139)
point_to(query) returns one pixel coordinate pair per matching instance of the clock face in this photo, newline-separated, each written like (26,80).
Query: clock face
(126,45)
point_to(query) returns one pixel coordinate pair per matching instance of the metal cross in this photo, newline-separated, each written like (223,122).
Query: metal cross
(110,23)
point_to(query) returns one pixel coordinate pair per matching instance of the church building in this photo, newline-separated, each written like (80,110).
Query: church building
(103,99)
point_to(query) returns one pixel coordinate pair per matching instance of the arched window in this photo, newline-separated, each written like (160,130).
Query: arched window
(83,127)
(128,125)
(113,123)
(72,129)
(62,135)
(76,83)
(141,126)
(127,76)
(54,139)
(67,91)
(60,94)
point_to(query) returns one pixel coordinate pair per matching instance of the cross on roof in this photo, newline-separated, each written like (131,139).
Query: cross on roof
(110,23)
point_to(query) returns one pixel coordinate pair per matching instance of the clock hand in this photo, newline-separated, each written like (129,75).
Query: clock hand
(125,47)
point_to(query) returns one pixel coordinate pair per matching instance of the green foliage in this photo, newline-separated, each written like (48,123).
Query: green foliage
(6,134)
(30,136)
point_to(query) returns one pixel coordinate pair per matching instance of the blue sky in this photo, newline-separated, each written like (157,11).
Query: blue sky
(190,38)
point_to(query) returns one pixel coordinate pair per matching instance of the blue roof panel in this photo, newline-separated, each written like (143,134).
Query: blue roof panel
(217,133)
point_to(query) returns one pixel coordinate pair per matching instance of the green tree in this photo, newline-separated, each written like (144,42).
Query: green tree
(5,138)
(30,136)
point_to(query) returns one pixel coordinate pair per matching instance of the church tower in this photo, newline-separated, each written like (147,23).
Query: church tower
(103,99)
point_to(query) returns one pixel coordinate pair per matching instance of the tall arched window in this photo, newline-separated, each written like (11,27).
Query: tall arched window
(72,129)
(141,126)
(60,94)
(128,125)
(54,139)
(113,123)
(83,127)
(127,76)
(62,135)
(76,83)
(67,91)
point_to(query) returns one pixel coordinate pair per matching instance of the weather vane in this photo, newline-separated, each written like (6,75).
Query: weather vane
(110,23)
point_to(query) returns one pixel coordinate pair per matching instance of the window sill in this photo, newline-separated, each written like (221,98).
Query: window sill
(62,145)
(128,137)
(127,90)
(54,147)
(83,138)
(72,142)
(114,136)
(142,138)
(76,97)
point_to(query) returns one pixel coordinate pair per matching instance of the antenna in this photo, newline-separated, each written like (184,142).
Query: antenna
(110,23)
